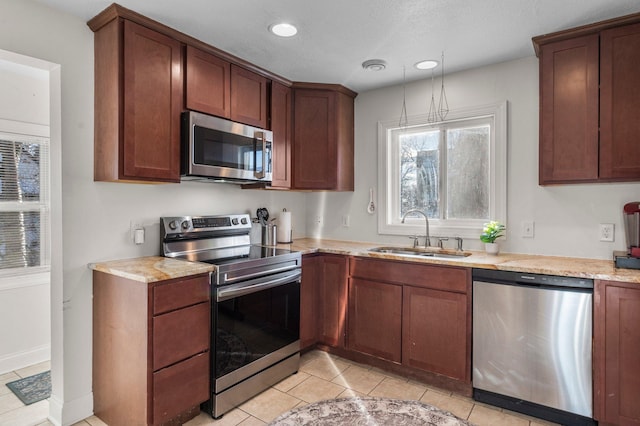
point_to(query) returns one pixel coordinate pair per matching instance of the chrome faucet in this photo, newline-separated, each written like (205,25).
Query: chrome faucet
(427,241)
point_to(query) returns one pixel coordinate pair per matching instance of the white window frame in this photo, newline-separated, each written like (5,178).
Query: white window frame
(32,275)
(388,177)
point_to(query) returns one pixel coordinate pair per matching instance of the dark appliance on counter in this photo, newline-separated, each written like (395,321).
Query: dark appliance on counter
(255,304)
(224,151)
(631,258)
(532,351)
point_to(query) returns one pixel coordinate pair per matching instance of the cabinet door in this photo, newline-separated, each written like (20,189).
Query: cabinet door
(333,300)
(281,126)
(152,105)
(248,97)
(620,103)
(309,299)
(375,318)
(315,144)
(569,111)
(208,83)
(616,353)
(435,330)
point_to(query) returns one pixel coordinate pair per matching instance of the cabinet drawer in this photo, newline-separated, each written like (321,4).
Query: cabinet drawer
(180,334)
(180,293)
(179,387)
(446,278)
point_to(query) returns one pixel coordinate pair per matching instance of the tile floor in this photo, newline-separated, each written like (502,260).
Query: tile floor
(321,376)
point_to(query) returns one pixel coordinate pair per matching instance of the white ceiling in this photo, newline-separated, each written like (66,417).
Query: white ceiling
(336,36)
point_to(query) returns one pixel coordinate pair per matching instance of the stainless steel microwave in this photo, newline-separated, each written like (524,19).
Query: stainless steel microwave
(223,150)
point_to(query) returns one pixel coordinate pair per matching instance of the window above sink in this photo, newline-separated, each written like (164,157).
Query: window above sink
(454,171)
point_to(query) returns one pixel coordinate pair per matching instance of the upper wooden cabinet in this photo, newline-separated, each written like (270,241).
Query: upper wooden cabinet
(248,97)
(620,103)
(282,128)
(217,87)
(616,347)
(590,103)
(138,100)
(323,137)
(208,83)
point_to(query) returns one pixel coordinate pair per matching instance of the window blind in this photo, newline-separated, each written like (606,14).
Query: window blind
(24,202)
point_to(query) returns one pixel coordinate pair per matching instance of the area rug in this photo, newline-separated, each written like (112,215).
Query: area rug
(368,412)
(33,388)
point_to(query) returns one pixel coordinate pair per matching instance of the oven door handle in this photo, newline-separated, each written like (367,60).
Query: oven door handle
(237,290)
(257,274)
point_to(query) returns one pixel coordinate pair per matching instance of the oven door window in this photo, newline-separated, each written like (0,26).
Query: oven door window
(229,150)
(252,326)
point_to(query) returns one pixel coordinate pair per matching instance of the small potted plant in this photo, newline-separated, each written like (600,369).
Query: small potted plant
(490,233)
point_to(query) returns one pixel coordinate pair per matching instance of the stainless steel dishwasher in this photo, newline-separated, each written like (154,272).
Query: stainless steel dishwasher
(532,345)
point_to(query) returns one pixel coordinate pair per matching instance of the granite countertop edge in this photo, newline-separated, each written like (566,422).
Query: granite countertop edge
(157,268)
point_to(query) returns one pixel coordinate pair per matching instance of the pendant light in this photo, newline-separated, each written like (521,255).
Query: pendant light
(431,116)
(404,121)
(443,105)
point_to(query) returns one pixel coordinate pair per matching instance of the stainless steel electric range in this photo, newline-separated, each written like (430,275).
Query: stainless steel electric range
(255,297)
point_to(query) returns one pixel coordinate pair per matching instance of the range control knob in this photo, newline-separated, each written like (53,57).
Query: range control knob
(234,221)
(243,220)
(173,225)
(185,225)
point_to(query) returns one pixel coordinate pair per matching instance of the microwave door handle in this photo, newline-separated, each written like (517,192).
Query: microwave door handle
(259,136)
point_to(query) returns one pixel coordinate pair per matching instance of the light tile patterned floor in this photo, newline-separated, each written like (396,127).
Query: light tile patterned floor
(321,376)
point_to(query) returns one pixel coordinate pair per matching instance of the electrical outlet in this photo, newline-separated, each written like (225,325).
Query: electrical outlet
(607,232)
(318,220)
(345,220)
(528,229)
(133,226)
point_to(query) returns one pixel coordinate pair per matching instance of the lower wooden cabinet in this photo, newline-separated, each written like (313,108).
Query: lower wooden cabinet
(375,318)
(617,353)
(410,316)
(435,331)
(309,299)
(415,314)
(150,348)
(333,301)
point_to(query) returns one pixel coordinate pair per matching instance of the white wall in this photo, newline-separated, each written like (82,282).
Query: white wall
(566,217)
(96,215)
(25,325)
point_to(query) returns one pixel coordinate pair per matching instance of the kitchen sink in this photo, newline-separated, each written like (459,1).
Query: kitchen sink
(421,252)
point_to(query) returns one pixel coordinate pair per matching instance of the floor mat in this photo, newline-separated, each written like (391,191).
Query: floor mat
(33,388)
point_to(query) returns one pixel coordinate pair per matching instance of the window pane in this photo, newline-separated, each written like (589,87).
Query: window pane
(19,171)
(420,172)
(468,173)
(19,239)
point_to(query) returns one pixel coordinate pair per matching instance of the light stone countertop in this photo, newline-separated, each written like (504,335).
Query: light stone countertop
(535,264)
(156,268)
(151,269)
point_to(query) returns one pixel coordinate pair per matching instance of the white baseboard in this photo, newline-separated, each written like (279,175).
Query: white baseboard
(70,412)
(18,360)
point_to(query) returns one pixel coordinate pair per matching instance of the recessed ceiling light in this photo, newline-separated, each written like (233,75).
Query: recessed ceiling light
(374,65)
(283,30)
(426,65)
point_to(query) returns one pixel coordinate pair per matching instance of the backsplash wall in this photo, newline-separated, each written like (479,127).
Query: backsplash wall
(566,217)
